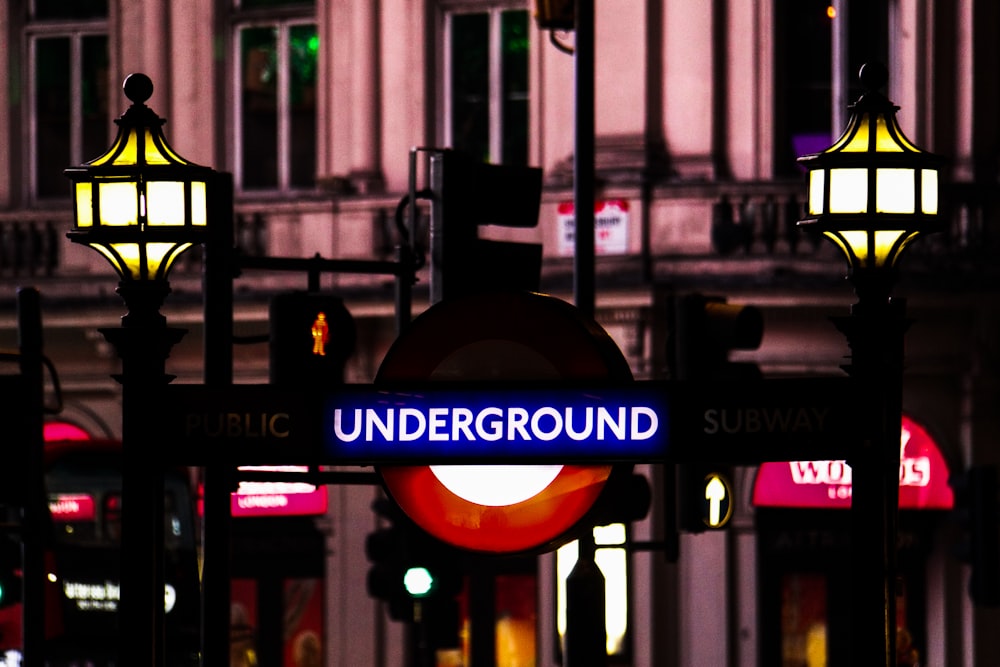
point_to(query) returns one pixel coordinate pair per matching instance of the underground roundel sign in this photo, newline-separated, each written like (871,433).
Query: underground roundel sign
(503,338)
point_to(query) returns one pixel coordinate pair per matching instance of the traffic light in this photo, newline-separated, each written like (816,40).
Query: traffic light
(11,583)
(703,333)
(626,498)
(466,194)
(15,413)
(704,497)
(417,575)
(555,14)
(384,548)
(312,336)
(976,510)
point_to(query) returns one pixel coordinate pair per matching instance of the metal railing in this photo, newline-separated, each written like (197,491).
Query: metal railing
(749,219)
(30,247)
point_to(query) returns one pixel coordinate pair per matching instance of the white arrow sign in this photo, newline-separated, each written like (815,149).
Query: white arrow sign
(716,493)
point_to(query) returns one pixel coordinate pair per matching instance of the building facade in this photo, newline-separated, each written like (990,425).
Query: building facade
(700,111)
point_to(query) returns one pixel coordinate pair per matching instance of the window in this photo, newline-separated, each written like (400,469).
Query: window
(486,83)
(68,94)
(275,75)
(821,46)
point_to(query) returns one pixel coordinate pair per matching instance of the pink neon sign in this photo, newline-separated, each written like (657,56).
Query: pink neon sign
(53,431)
(923,478)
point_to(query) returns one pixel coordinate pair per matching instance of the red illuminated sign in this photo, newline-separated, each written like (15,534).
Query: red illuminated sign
(67,507)
(500,338)
(278,498)
(923,478)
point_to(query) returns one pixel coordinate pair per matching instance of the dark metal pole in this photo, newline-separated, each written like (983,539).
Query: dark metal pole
(875,334)
(586,643)
(29,333)
(143,343)
(586,635)
(218,272)
(583,159)
(482,617)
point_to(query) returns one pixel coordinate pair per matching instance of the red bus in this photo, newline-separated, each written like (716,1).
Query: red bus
(83,562)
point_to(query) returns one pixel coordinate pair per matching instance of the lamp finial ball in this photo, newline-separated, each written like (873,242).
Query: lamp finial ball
(873,76)
(138,87)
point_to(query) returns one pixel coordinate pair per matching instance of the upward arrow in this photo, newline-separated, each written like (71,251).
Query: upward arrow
(715,493)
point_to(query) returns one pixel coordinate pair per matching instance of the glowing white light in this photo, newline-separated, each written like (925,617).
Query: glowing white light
(169,598)
(418,581)
(496,486)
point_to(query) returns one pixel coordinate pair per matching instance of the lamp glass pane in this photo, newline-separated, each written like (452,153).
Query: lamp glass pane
(884,142)
(165,203)
(131,258)
(199,204)
(119,203)
(153,154)
(112,154)
(895,191)
(859,142)
(110,257)
(160,256)
(857,243)
(885,246)
(130,152)
(84,205)
(929,191)
(816,191)
(848,190)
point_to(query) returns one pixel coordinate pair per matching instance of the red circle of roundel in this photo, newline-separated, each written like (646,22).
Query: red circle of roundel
(503,337)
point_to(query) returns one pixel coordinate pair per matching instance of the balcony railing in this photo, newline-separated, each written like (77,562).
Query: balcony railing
(30,246)
(748,220)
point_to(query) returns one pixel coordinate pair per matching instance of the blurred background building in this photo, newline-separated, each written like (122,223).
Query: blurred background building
(701,110)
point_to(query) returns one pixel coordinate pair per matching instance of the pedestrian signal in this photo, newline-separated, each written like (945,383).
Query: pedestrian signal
(312,336)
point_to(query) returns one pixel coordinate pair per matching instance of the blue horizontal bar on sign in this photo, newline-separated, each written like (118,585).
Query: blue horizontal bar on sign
(484,424)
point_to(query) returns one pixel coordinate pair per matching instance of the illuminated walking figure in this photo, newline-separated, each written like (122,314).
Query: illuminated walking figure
(320,334)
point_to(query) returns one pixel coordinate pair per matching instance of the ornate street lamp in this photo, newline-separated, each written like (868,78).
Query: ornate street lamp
(141,205)
(872,193)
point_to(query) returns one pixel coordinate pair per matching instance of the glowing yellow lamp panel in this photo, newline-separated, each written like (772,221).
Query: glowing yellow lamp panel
(84,205)
(894,191)
(848,190)
(817,190)
(929,191)
(119,203)
(165,203)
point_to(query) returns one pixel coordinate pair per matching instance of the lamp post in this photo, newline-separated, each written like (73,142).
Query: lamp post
(141,205)
(872,193)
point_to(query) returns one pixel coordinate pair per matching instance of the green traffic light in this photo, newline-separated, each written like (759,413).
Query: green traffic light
(9,591)
(418,581)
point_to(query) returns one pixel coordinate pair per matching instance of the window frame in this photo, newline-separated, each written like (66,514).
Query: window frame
(75,32)
(284,18)
(494,9)
(846,51)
